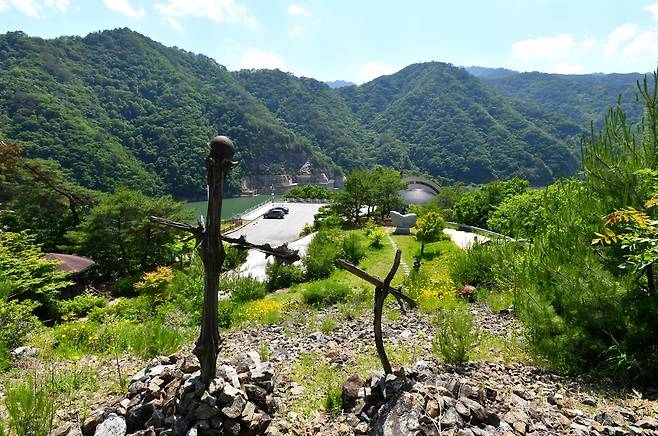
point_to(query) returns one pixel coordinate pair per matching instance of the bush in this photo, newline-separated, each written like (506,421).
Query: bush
(17,322)
(234,257)
(321,255)
(455,336)
(30,405)
(352,248)
(280,275)
(125,286)
(325,293)
(244,289)
(80,306)
(226,313)
(155,284)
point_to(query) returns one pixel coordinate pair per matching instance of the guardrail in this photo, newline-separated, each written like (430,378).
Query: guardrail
(251,209)
(485,231)
(309,200)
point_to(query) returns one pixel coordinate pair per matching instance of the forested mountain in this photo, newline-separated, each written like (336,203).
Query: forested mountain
(315,111)
(457,128)
(117,108)
(339,83)
(581,98)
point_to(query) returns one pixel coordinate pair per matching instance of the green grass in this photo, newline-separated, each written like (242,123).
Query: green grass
(497,348)
(437,257)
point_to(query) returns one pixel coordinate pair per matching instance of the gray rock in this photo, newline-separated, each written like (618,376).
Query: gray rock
(112,426)
(24,352)
(403,221)
(262,372)
(228,394)
(234,409)
(400,416)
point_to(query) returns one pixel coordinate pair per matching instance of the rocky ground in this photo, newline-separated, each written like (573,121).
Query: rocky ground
(488,397)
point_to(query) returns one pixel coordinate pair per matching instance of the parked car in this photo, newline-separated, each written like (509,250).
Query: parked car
(282,207)
(274,213)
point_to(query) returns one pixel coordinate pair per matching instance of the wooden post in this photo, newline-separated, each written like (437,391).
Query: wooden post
(211,249)
(209,242)
(382,289)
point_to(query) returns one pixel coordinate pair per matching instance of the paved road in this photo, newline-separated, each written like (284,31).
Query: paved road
(278,231)
(465,240)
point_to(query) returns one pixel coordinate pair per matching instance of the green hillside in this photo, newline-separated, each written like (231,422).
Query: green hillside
(118,108)
(579,98)
(459,129)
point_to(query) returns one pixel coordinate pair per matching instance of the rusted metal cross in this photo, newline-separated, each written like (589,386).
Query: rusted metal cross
(209,244)
(382,290)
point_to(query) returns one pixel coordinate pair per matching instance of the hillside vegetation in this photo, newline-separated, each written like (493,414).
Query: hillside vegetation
(116,108)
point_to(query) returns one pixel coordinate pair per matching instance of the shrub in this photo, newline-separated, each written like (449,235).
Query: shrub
(333,403)
(17,322)
(155,284)
(455,336)
(30,405)
(244,289)
(280,275)
(125,286)
(80,306)
(429,228)
(225,313)
(234,257)
(352,249)
(328,325)
(321,255)
(325,293)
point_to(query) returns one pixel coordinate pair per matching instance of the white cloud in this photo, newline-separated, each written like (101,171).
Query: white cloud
(375,69)
(254,58)
(298,10)
(171,22)
(125,8)
(545,48)
(219,11)
(653,10)
(566,68)
(644,45)
(588,44)
(296,31)
(617,37)
(3,5)
(34,8)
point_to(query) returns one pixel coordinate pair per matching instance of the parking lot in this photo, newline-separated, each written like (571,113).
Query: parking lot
(277,231)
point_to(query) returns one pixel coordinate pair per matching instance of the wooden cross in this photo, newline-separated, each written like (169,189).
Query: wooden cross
(382,290)
(208,237)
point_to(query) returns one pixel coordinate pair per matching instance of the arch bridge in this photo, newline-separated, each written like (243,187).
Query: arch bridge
(425,183)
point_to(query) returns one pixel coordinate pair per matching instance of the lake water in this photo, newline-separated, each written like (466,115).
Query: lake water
(230,206)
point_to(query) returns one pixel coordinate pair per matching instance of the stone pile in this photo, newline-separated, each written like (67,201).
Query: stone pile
(168,398)
(432,401)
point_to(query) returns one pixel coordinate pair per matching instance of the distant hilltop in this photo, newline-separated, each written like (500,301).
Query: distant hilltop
(339,84)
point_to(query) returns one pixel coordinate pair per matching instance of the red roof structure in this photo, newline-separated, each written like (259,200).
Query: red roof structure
(71,263)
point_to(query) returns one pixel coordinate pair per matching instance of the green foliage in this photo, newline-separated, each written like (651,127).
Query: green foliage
(429,228)
(280,275)
(328,325)
(119,235)
(474,208)
(321,255)
(243,289)
(234,257)
(375,234)
(23,269)
(30,404)
(125,286)
(325,293)
(352,248)
(520,215)
(80,306)
(155,284)
(456,336)
(333,403)
(309,192)
(17,322)
(378,189)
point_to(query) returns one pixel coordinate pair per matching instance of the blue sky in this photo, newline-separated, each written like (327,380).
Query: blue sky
(358,40)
